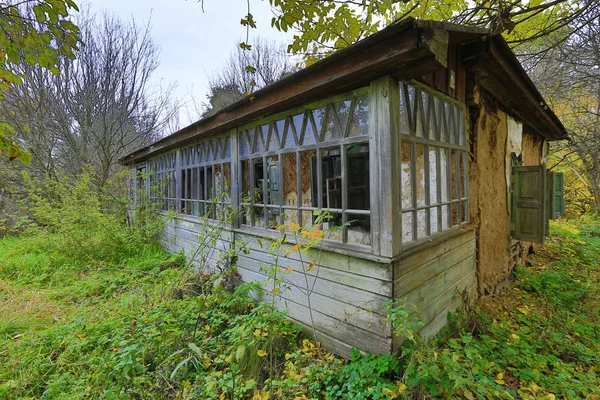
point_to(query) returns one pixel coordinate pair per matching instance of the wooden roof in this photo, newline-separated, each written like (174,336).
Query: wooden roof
(406,49)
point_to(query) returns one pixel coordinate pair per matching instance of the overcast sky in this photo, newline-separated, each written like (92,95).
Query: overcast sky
(193,44)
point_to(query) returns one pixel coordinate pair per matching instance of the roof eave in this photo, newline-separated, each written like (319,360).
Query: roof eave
(403,48)
(500,73)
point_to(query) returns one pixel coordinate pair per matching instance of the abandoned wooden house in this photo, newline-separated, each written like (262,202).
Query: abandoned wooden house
(426,142)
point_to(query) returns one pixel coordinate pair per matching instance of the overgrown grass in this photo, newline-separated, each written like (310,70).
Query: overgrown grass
(138,324)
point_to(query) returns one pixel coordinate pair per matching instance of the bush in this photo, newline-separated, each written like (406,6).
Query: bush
(91,224)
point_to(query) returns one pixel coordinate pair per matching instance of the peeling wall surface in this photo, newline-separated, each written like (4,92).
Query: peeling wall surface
(532,149)
(496,136)
(489,174)
(514,143)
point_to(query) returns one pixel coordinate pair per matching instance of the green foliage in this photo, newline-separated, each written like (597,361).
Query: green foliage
(79,324)
(330,25)
(89,221)
(362,378)
(38,41)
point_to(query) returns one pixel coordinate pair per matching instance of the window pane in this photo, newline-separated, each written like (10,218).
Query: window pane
(226,183)
(453,181)
(260,139)
(332,129)
(455,214)
(319,119)
(433,177)
(424,115)
(407,227)
(310,134)
(463,174)
(273,182)
(404,122)
(405,175)
(357,173)
(342,110)
(244,144)
(433,220)
(331,178)
(290,133)
(332,225)
(445,217)
(359,125)
(359,229)
(421,224)
(444,172)
(307,219)
(420,173)
(272,138)
(290,187)
(308,175)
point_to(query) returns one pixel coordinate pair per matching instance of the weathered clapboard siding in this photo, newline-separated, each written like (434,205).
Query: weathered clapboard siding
(432,280)
(347,295)
(357,266)
(334,332)
(181,234)
(347,291)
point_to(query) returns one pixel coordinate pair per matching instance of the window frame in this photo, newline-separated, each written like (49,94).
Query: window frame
(194,163)
(297,149)
(455,145)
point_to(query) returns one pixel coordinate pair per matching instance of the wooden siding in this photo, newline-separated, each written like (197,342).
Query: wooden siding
(347,296)
(182,235)
(433,279)
(348,292)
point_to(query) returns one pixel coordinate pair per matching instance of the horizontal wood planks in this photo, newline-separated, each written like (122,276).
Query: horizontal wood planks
(435,280)
(346,292)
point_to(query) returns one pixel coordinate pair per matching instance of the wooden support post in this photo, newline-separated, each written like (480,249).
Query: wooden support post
(236,176)
(384,133)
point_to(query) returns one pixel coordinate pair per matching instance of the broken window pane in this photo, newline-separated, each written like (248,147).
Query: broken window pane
(331,179)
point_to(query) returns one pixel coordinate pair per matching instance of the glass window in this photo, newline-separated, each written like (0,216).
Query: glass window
(311,161)
(433,157)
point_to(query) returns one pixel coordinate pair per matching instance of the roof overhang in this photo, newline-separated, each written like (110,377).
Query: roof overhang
(499,72)
(407,49)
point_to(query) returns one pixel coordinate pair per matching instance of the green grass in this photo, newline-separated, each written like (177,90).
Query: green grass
(129,326)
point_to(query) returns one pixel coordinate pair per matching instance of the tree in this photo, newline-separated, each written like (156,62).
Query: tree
(99,108)
(568,75)
(33,33)
(246,70)
(329,25)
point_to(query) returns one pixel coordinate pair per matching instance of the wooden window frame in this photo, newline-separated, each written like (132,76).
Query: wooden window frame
(194,166)
(319,145)
(449,140)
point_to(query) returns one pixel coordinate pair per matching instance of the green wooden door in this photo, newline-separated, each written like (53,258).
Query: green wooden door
(529,203)
(558,197)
